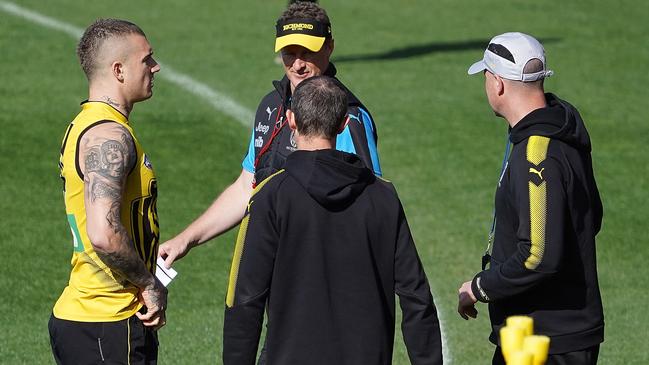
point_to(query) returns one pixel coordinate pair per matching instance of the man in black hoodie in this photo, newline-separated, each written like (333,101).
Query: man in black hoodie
(547,214)
(325,245)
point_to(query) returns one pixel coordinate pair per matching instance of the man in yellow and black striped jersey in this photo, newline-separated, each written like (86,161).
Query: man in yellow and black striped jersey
(547,211)
(113,303)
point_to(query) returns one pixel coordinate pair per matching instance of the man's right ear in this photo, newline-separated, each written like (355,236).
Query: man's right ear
(290,117)
(118,71)
(499,85)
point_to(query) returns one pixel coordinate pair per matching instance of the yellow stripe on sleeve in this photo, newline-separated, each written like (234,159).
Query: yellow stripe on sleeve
(538,209)
(537,150)
(261,184)
(236,261)
(238,248)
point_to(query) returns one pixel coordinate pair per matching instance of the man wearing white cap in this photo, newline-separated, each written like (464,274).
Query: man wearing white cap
(547,211)
(303,36)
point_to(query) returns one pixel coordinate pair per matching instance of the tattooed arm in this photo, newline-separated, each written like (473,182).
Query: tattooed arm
(106,155)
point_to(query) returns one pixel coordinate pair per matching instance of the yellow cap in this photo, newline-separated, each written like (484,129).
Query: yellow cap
(308,33)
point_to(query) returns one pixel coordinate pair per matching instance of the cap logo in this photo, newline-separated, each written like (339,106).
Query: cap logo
(308,33)
(297,26)
(303,26)
(500,50)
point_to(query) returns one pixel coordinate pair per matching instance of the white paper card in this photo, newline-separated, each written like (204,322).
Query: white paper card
(163,274)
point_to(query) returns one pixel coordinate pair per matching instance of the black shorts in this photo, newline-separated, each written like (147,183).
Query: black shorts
(123,342)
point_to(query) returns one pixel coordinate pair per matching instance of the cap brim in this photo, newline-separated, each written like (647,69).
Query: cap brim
(310,42)
(477,67)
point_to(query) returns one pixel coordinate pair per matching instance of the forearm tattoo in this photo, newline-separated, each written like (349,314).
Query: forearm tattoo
(127,263)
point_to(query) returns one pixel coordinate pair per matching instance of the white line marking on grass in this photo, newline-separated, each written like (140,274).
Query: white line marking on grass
(43,20)
(216,99)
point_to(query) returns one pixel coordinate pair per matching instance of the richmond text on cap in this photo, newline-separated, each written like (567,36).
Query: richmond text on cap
(308,33)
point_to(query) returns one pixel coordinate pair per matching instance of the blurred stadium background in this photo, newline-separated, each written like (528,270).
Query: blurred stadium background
(439,143)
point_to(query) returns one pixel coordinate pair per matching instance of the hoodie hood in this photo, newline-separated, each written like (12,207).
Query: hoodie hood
(558,120)
(333,178)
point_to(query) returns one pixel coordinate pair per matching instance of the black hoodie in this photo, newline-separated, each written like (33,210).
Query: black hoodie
(326,245)
(548,211)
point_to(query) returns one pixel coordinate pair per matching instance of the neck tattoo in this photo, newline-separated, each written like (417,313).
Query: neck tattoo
(111,102)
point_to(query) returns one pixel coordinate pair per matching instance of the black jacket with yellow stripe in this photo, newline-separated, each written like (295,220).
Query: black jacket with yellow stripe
(548,211)
(325,246)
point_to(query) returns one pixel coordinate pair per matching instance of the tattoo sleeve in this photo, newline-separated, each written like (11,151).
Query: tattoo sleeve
(107,163)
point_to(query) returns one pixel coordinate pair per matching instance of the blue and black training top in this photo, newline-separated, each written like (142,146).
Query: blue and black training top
(272,141)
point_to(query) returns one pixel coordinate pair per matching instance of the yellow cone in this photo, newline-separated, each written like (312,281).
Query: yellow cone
(511,339)
(537,346)
(524,322)
(520,357)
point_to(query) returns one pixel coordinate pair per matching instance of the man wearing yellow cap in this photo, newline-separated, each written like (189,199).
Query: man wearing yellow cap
(305,41)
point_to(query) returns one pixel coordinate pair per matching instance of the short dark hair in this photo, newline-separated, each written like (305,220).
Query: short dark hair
(320,105)
(95,35)
(305,10)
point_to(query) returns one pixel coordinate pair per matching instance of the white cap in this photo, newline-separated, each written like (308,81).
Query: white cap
(507,55)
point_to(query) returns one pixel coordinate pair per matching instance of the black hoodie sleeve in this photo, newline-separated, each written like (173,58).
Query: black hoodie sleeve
(250,276)
(538,199)
(419,325)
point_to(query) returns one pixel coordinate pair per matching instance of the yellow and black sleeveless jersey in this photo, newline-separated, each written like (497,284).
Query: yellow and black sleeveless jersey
(95,293)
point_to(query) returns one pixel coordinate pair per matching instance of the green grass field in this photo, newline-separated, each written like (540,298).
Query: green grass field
(439,143)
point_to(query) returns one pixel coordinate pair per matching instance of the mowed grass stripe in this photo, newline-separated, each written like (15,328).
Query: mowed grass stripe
(220,101)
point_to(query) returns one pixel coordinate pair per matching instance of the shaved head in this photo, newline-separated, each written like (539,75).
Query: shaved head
(102,43)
